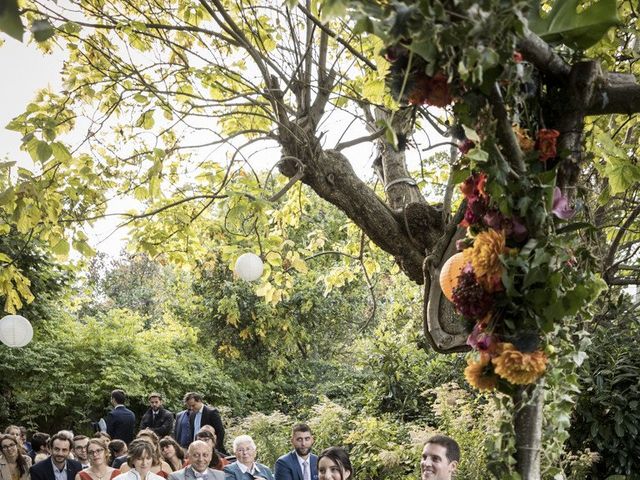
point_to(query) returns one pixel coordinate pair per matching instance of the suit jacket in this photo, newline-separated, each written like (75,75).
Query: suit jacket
(233,472)
(288,468)
(162,425)
(210,416)
(121,424)
(179,427)
(5,473)
(188,474)
(43,470)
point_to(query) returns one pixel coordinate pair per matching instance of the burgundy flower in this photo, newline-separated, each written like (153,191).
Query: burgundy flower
(470,299)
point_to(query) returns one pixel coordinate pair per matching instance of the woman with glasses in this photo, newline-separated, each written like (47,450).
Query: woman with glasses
(14,464)
(245,465)
(159,467)
(99,469)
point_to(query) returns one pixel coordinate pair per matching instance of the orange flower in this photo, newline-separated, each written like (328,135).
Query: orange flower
(547,143)
(524,140)
(480,374)
(518,367)
(484,256)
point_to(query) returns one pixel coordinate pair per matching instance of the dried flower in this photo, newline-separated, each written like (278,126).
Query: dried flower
(485,258)
(517,367)
(480,374)
(431,90)
(546,144)
(470,299)
(524,140)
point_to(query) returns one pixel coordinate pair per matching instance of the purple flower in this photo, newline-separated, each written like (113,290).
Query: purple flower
(469,298)
(561,207)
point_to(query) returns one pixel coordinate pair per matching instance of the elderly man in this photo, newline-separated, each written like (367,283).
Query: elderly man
(300,463)
(246,467)
(157,418)
(440,458)
(202,415)
(58,466)
(199,456)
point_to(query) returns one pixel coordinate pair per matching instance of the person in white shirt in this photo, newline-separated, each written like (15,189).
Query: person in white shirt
(140,458)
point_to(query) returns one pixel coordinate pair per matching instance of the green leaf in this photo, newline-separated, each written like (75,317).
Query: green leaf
(43,151)
(60,152)
(61,248)
(10,21)
(622,174)
(42,30)
(477,155)
(576,30)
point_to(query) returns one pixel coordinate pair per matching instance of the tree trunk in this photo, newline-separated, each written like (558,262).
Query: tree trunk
(527,422)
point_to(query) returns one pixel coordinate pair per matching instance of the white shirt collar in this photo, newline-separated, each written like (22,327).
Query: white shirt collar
(244,469)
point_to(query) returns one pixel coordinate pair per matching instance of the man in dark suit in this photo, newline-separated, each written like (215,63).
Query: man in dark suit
(157,418)
(58,466)
(182,432)
(121,422)
(300,463)
(202,414)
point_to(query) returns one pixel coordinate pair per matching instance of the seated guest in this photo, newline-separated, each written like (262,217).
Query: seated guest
(334,464)
(99,469)
(26,445)
(172,453)
(104,435)
(14,464)
(160,467)
(55,466)
(208,436)
(246,467)
(80,443)
(199,456)
(117,448)
(140,458)
(15,431)
(39,444)
(299,463)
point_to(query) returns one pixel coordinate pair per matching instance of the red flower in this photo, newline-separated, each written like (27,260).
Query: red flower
(517,57)
(546,144)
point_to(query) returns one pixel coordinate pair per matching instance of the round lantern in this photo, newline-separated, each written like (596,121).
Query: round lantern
(449,274)
(249,267)
(15,331)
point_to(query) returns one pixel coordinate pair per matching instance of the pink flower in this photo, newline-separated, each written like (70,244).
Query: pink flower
(561,207)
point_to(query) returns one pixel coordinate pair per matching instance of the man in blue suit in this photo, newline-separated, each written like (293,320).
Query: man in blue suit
(58,465)
(121,422)
(299,464)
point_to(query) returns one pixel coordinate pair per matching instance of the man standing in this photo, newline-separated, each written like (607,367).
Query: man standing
(58,466)
(121,422)
(201,415)
(80,443)
(182,432)
(157,418)
(199,458)
(440,458)
(300,463)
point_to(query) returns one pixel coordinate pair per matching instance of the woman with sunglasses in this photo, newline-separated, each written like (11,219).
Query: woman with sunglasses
(14,464)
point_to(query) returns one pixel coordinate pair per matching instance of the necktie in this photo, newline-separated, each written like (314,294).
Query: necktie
(305,470)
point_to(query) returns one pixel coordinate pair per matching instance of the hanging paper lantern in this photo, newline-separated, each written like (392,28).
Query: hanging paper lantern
(249,267)
(15,331)
(449,274)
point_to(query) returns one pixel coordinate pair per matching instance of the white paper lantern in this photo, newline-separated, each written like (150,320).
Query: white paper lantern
(15,331)
(249,267)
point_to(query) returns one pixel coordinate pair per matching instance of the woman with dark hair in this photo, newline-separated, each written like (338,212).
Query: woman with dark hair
(172,453)
(334,464)
(159,467)
(117,448)
(14,464)
(141,457)
(99,456)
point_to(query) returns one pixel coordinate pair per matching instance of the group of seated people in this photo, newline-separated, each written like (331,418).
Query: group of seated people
(68,457)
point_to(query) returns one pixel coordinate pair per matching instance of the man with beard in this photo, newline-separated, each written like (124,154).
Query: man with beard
(80,443)
(299,464)
(157,418)
(440,458)
(58,466)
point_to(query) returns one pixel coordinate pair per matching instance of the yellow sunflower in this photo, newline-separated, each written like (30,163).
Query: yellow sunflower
(485,258)
(518,367)
(480,374)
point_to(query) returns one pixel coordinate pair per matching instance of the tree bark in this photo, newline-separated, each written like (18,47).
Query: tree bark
(527,423)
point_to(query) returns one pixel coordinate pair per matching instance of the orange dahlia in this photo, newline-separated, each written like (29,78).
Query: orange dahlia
(484,256)
(518,367)
(524,140)
(479,373)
